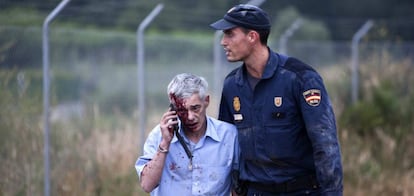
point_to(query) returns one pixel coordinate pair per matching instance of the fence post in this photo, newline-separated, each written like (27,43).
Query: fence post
(141,78)
(288,33)
(355,64)
(46,88)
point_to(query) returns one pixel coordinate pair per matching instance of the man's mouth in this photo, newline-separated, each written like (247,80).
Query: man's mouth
(191,126)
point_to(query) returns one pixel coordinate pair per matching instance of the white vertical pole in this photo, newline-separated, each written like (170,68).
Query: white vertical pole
(46,88)
(355,53)
(141,78)
(217,50)
(287,34)
(256,2)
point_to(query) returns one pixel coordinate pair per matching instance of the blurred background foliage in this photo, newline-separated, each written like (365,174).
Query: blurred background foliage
(341,18)
(94,136)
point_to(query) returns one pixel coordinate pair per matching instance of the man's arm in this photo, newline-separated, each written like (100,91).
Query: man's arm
(321,127)
(151,174)
(224,113)
(152,171)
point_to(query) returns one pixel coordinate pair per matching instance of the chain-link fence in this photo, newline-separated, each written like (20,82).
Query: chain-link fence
(94,90)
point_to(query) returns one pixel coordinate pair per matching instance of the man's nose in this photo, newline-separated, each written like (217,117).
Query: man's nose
(190,115)
(223,41)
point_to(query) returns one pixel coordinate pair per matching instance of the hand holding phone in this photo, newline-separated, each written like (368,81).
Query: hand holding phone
(181,140)
(175,126)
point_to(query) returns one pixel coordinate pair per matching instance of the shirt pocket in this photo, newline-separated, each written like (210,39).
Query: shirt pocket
(281,137)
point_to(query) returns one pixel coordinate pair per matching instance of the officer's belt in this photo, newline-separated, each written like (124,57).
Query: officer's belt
(295,184)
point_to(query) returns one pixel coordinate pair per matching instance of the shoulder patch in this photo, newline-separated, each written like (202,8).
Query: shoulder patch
(312,97)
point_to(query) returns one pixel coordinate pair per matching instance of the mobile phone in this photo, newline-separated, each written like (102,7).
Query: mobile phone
(181,140)
(172,108)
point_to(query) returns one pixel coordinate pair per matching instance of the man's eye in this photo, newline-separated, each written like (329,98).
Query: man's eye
(195,108)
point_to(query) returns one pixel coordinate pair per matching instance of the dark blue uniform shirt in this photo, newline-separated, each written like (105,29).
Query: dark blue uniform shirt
(286,124)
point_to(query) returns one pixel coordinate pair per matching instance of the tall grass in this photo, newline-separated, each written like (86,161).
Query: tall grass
(94,153)
(377,132)
(89,156)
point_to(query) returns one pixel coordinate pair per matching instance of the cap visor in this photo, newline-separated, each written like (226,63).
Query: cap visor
(222,25)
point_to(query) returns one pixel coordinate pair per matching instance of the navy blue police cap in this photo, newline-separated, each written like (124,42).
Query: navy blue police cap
(243,15)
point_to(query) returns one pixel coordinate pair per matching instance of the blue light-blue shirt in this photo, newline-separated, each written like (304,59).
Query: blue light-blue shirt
(213,159)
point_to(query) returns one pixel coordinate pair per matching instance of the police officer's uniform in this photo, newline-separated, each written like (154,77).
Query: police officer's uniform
(287,129)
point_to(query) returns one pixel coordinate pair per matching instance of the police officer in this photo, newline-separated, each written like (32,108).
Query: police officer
(286,124)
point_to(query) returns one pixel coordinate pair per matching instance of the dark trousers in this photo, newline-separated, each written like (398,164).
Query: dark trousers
(254,192)
(303,185)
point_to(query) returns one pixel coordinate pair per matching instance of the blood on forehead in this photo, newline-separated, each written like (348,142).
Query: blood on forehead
(178,103)
(179,106)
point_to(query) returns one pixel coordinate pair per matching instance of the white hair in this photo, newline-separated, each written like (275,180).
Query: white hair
(186,84)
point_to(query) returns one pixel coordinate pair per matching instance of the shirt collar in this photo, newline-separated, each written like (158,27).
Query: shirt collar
(211,131)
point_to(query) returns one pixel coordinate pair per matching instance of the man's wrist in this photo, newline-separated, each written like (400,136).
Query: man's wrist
(161,149)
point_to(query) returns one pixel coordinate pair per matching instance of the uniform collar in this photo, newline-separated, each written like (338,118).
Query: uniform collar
(270,68)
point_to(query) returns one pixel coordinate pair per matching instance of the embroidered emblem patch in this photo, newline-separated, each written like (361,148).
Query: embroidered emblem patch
(312,97)
(236,104)
(278,101)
